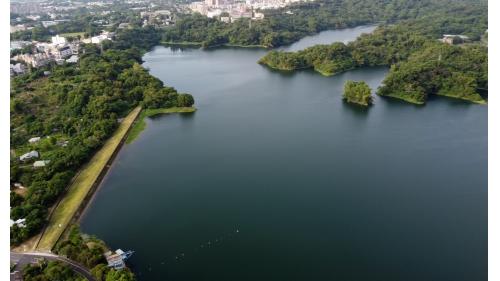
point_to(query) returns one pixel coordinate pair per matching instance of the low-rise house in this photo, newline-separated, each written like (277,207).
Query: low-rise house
(34,140)
(33,17)
(258,16)
(58,40)
(117,259)
(98,39)
(48,23)
(452,39)
(14,45)
(19,222)
(40,163)
(16,28)
(30,155)
(36,60)
(214,13)
(123,25)
(72,59)
(17,69)
(75,48)
(62,52)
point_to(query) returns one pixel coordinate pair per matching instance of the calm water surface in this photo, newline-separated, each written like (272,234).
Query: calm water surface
(274,178)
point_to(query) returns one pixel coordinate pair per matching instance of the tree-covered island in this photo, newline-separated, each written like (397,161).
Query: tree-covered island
(421,65)
(357,93)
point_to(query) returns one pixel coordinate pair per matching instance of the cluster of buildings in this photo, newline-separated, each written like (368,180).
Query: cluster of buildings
(105,35)
(59,50)
(32,155)
(157,18)
(237,9)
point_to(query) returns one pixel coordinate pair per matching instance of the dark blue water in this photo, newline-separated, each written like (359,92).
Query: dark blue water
(275,178)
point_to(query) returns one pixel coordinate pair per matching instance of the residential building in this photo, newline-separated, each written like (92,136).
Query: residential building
(14,45)
(15,28)
(19,222)
(48,23)
(30,155)
(34,140)
(117,259)
(72,59)
(62,52)
(58,40)
(452,39)
(40,163)
(17,69)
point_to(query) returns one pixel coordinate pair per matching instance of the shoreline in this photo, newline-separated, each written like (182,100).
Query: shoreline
(76,198)
(200,45)
(126,140)
(140,124)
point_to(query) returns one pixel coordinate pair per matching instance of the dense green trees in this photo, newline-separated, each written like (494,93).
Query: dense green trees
(284,26)
(89,251)
(326,59)
(50,271)
(78,106)
(86,250)
(439,69)
(357,92)
(421,65)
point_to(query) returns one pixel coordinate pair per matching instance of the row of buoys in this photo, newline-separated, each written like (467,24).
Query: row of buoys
(208,244)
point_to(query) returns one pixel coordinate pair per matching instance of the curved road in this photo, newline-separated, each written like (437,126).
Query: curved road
(22,259)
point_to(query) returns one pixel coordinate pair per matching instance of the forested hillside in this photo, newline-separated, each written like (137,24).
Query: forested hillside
(284,26)
(73,110)
(421,64)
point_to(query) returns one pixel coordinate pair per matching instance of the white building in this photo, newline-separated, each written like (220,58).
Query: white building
(19,222)
(34,140)
(14,45)
(48,23)
(41,163)
(17,69)
(72,59)
(29,155)
(99,39)
(57,40)
(214,13)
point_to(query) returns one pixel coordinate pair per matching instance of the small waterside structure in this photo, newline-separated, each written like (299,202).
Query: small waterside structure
(117,259)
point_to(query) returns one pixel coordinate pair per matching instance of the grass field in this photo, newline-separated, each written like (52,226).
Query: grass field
(140,125)
(82,184)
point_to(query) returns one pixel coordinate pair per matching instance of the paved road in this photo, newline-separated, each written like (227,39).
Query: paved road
(22,259)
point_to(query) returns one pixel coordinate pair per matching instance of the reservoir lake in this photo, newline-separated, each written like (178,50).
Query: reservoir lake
(275,178)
